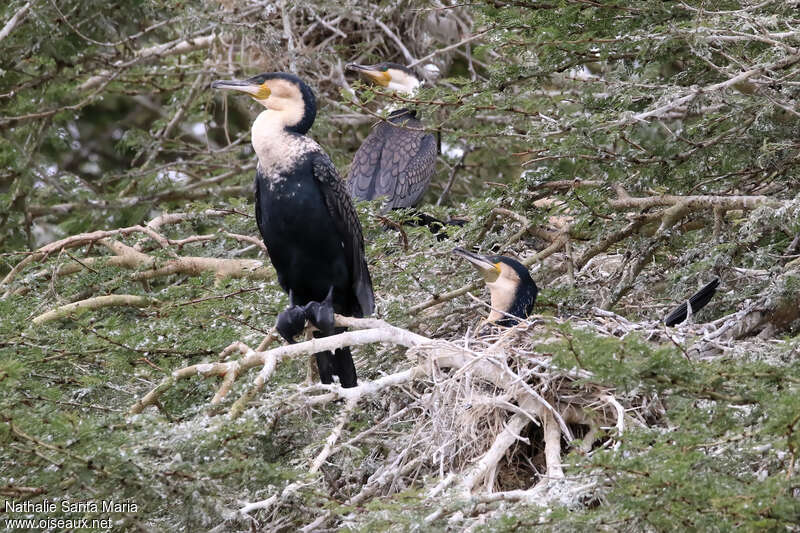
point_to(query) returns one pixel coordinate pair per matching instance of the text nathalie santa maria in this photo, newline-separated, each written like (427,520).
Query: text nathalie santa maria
(70,506)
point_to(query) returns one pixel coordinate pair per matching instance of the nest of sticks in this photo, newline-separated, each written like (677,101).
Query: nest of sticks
(486,416)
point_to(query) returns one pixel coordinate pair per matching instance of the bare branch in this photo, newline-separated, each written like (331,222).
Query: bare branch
(97,302)
(156,51)
(677,102)
(14,21)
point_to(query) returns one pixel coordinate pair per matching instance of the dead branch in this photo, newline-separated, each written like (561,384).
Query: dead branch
(697,92)
(766,316)
(441,298)
(133,258)
(14,21)
(378,331)
(634,269)
(463,41)
(97,302)
(343,418)
(159,50)
(443,364)
(488,463)
(504,399)
(694,202)
(552,447)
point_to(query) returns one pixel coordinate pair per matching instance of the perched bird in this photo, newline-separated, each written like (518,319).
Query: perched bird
(513,291)
(397,159)
(306,218)
(697,301)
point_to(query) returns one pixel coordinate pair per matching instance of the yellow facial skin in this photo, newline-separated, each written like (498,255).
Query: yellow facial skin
(381,78)
(489,271)
(262,92)
(490,275)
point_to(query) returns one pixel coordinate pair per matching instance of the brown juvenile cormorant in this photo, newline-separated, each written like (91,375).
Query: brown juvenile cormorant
(513,291)
(306,218)
(697,301)
(397,159)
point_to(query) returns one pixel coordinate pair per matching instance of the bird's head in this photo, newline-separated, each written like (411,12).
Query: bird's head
(281,92)
(510,284)
(492,268)
(390,75)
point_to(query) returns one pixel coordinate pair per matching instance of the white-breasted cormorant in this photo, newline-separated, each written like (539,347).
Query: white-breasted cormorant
(306,218)
(397,159)
(697,301)
(513,291)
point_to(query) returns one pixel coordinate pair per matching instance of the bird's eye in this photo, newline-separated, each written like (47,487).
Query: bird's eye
(384,69)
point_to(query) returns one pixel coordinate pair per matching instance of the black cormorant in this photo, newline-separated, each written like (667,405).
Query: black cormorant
(397,159)
(697,301)
(306,218)
(513,291)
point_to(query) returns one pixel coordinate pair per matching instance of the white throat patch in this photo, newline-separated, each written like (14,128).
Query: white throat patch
(285,99)
(403,83)
(502,290)
(277,149)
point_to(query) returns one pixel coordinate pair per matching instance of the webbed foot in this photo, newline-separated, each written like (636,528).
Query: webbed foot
(321,314)
(291,321)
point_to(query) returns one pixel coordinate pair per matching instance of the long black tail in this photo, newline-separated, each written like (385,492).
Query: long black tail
(345,368)
(697,301)
(339,364)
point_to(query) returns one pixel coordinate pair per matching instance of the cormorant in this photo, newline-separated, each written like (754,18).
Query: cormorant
(513,291)
(397,159)
(306,218)
(697,301)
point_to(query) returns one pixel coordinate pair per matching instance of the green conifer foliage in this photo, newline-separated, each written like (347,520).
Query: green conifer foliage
(627,152)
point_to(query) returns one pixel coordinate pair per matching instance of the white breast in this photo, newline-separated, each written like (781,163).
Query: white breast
(277,149)
(502,292)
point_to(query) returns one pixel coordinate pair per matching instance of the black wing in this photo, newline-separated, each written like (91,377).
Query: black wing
(397,161)
(349,227)
(698,301)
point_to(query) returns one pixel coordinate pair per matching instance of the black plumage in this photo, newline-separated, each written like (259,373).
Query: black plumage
(306,218)
(313,235)
(698,300)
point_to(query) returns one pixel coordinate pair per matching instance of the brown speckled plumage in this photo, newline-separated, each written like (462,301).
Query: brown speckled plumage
(397,161)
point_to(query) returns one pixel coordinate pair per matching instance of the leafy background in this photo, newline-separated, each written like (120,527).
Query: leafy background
(557,112)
